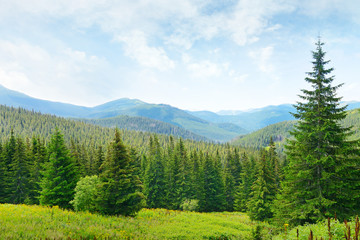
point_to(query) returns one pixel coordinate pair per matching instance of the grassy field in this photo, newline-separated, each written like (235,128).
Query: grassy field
(334,230)
(37,222)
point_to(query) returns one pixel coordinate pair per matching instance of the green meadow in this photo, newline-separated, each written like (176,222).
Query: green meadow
(38,222)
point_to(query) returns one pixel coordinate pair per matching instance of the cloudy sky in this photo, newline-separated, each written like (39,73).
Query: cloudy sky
(191,54)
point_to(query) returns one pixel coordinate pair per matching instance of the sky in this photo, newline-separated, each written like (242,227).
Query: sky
(191,54)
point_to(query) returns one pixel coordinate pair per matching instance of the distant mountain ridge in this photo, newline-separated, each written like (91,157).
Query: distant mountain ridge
(203,124)
(130,107)
(281,131)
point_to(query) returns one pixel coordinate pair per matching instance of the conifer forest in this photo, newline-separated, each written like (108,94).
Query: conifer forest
(77,166)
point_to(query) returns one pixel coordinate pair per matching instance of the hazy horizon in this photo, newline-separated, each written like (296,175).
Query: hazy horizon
(194,55)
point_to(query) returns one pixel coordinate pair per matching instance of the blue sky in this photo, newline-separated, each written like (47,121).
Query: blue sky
(191,54)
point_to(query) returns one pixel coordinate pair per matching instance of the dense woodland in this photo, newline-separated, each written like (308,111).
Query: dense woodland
(281,131)
(54,161)
(145,125)
(88,146)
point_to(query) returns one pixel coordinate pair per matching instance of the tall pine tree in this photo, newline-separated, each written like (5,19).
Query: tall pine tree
(322,177)
(263,189)
(59,175)
(120,193)
(155,179)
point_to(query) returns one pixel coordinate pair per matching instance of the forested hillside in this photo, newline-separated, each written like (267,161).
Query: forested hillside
(145,125)
(174,173)
(130,107)
(30,123)
(280,131)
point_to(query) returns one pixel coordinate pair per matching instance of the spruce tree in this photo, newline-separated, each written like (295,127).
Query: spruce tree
(38,157)
(20,179)
(3,179)
(243,190)
(214,197)
(155,179)
(263,189)
(322,175)
(229,181)
(59,175)
(121,191)
(184,173)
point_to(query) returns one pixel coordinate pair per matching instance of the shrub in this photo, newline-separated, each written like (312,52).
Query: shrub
(86,192)
(190,205)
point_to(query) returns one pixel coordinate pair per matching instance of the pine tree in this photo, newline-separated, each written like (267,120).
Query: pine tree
(3,180)
(8,154)
(173,174)
(214,198)
(59,175)
(20,179)
(243,190)
(197,176)
(273,161)
(38,156)
(263,189)
(155,179)
(321,178)
(229,181)
(99,159)
(121,191)
(184,173)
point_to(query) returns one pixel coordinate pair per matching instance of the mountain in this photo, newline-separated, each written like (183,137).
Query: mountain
(280,131)
(255,119)
(145,125)
(206,124)
(15,99)
(252,119)
(130,107)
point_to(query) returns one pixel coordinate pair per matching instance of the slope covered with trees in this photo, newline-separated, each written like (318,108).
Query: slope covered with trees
(145,125)
(281,131)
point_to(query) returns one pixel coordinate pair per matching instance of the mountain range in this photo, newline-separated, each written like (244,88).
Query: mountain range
(198,125)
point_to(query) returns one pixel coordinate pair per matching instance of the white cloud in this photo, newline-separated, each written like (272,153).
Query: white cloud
(202,69)
(13,79)
(262,57)
(177,22)
(59,76)
(325,8)
(238,78)
(137,48)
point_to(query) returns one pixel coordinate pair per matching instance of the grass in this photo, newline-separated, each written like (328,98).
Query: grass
(38,222)
(327,229)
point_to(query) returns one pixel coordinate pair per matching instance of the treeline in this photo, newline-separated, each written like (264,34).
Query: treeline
(87,137)
(281,131)
(146,125)
(116,179)
(261,138)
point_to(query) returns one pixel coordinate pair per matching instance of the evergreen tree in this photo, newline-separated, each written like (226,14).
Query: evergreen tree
(20,179)
(213,186)
(155,179)
(8,158)
(229,181)
(197,176)
(59,175)
(322,177)
(173,174)
(120,193)
(184,174)
(263,189)
(3,174)
(38,156)
(99,159)
(243,190)
(273,162)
